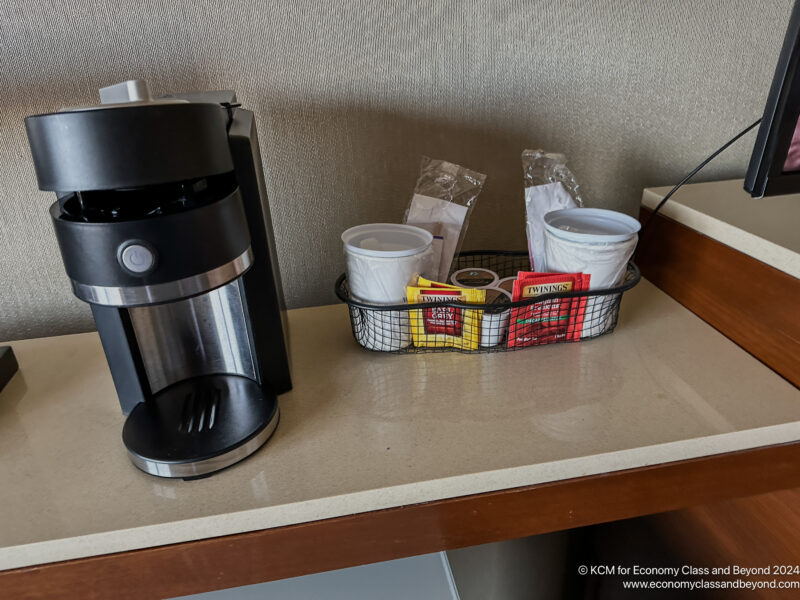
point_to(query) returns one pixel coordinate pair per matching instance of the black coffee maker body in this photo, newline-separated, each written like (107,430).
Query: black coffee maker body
(164,228)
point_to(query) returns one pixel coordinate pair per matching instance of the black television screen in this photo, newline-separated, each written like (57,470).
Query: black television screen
(775,164)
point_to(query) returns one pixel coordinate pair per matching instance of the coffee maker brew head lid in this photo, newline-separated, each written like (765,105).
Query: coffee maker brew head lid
(128,141)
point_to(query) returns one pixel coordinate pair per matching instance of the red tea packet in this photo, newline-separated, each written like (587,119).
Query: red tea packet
(553,320)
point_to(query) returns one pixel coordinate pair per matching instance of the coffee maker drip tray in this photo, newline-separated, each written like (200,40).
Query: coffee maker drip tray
(200,425)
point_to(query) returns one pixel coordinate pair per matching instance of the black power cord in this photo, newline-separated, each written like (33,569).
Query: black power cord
(695,171)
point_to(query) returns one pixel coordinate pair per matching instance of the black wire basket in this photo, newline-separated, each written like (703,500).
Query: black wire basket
(461,327)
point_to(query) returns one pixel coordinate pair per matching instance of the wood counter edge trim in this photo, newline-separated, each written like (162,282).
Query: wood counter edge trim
(748,301)
(294,550)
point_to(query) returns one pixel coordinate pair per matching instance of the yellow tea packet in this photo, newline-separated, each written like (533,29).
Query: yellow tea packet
(427,283)
(444,326)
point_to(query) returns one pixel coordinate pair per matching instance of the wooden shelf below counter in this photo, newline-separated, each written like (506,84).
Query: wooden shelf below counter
(380,456)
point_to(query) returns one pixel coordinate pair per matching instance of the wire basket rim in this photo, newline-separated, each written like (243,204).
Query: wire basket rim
(632,277)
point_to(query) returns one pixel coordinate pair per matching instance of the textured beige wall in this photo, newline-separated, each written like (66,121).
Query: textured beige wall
(349,94)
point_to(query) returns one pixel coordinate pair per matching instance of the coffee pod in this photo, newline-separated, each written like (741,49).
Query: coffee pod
(507,284)
(472,277)
(494,323)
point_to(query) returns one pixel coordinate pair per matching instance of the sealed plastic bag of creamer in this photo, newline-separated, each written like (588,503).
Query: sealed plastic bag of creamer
(443,199)
(549,185)
(444,326)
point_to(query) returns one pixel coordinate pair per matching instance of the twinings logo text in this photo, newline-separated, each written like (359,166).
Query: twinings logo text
(547,288)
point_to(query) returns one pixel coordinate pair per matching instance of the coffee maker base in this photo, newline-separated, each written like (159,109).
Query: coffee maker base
(199,426)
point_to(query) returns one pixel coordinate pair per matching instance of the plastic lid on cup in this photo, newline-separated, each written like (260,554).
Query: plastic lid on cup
(387,240)
(591,225)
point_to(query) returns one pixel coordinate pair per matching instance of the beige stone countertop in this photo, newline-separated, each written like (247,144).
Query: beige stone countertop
(363,431)
(764,228)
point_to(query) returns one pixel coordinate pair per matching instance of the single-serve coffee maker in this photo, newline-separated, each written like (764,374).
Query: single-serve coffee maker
(164,228)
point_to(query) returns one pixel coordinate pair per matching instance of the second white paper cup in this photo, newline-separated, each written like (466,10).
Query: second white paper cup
(575,251)
(606,263)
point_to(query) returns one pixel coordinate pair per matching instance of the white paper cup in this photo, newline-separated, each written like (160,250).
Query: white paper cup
(382,330)
(606,263)
(594,241)
(381,259)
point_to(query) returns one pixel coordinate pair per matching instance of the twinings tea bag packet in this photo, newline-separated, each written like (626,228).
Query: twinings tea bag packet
(444,326)
(425,283)
(548,321)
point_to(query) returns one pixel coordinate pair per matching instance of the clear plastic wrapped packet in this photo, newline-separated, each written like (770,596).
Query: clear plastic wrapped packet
(549,185)
(443,199)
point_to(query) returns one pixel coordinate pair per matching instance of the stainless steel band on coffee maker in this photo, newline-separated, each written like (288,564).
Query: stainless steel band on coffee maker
(164,292)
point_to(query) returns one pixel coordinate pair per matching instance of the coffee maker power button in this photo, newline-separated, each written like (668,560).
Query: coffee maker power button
(137,258)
